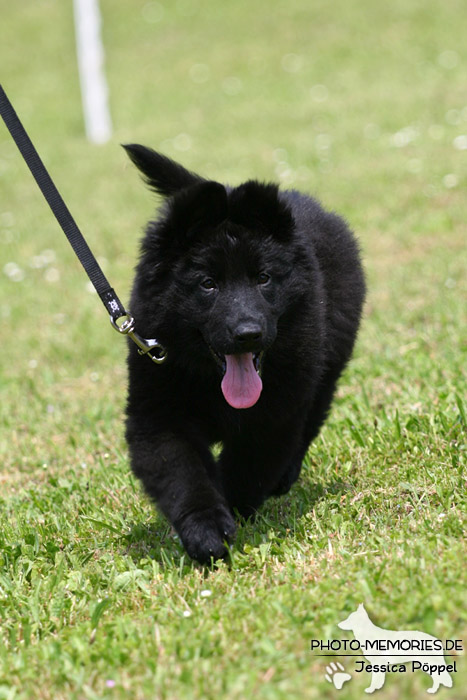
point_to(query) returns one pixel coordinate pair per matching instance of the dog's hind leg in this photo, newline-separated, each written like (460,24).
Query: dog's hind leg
(435,686)
(317,414)
(252,464)
(438,679)
(290,475)
(319,409)
(377,681)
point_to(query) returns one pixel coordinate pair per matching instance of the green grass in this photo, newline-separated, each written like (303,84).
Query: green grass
(362,104)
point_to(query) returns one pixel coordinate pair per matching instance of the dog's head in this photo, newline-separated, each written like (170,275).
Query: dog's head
(226,256)
(355,619)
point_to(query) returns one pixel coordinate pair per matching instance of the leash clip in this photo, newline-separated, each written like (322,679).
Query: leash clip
(146,346)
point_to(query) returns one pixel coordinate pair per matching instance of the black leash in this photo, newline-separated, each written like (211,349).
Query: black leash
(112,303)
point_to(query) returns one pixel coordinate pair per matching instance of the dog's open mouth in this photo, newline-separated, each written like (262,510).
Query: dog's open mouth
(241,384)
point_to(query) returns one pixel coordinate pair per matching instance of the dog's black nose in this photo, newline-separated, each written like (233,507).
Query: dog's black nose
(248,333)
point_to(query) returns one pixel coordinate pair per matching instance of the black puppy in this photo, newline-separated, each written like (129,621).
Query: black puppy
(256,294)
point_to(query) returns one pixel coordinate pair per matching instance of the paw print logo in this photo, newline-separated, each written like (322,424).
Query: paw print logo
(335,674)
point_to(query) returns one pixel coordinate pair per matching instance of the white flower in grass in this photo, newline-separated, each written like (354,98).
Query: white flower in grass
(52,275)
(448,59)
(182,142)
(460,142)
(319,93)
(232,85)
(14,272)
(450,180)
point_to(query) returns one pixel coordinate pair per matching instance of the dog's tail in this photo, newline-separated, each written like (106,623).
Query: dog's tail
(162,174)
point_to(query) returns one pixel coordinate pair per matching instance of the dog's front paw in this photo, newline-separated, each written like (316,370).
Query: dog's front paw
(204,533)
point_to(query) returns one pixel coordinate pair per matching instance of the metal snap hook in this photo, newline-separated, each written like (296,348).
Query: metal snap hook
(146,346)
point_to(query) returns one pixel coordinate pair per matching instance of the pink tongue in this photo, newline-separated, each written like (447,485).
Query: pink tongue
(241,384)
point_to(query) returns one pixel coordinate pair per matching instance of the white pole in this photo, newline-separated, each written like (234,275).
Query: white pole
(94,91)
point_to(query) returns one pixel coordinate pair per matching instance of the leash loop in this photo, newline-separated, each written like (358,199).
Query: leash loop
(150,347)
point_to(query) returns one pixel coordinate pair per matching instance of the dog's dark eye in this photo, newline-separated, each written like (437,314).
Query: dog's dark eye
(208,284)
(263,278)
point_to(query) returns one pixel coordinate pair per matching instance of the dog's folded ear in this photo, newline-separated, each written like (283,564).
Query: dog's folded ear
(199,207)
(163,175)
(257,206)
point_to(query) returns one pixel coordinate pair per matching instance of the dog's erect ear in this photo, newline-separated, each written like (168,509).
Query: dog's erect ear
(199,207)
(162,174)
(257,206)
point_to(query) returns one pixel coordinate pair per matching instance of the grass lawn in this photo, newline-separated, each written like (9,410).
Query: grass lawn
(363,104)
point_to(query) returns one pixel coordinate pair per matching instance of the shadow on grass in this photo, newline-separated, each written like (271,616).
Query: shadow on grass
(154,540)
(157,540)
(284,514)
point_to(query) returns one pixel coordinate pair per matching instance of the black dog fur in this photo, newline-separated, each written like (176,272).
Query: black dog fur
(234,280)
